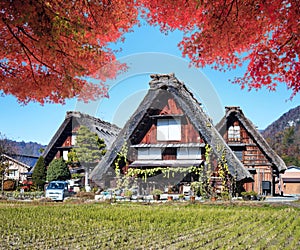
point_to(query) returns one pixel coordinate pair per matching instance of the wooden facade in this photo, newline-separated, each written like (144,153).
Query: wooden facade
(289,182)
(169,149)
(252,157)
(68,139)
(188,132)
(65,137)
(15,169)
(169,129)
(252,150)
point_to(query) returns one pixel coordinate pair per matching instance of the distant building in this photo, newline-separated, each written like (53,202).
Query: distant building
(29,160)
(65,137)
(289,182)
(15,170)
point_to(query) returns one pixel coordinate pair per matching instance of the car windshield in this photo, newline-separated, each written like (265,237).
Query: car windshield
(54,185)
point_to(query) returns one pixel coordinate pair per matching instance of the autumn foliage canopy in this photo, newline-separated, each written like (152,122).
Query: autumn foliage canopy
(48,48)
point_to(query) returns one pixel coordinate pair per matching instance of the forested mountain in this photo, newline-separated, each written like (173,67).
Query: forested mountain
(283,135)
(26,148)
(26,152)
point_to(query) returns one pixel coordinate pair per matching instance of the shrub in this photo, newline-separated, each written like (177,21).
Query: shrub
(58,170)
(157,192)
(39,174)
(128,193)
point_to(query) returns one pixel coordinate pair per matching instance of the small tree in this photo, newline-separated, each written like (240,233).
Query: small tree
(39,174)
(89,150)
(58,170)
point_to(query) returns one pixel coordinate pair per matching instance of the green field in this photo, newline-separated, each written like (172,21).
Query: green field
(143,226)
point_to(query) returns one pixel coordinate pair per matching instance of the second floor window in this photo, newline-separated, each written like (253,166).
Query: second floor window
(169,129)
(234,133)
(65,155)
(73,139)
(12,173)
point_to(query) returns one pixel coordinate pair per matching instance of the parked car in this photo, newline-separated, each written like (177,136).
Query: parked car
(57,190)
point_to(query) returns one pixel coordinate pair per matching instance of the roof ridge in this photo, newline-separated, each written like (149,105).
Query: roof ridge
(78,114)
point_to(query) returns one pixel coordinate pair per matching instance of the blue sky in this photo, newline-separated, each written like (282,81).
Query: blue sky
(147,51)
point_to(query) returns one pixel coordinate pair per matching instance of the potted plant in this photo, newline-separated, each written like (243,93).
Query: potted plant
(128,194)
(156,194)
(225,196)
(181,197)
(170,191)
(214,196)
(170,197)
(195,188)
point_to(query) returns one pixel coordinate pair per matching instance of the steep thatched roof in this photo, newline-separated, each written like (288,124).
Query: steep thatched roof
(104,130)
(277,163)
(162,86)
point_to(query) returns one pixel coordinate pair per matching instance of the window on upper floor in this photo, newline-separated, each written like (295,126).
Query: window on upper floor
(189,153)
(65,155)
(169,129)
(73,139)
(12,173)
(149,154)
(234,133)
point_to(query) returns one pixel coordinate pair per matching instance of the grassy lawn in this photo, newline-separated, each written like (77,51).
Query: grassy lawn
(141,226)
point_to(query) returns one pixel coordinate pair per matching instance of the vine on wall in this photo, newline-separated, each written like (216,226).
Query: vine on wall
(120,161)
(227,180)
(203,187)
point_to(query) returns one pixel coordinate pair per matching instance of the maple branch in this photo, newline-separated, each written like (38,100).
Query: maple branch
(224,19)
(23,45)
(229,11)
(237,9)
(7,69)
(67,56)
(25,33)
(31,69)
(93,16)
(223,10)
(287,41)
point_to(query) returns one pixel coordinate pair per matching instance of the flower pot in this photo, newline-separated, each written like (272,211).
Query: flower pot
(170,198)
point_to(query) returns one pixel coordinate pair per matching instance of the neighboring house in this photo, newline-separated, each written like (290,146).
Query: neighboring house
(252,150)
(168,129)
(65,137)
(29,160)
(15,169)
(290,181)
